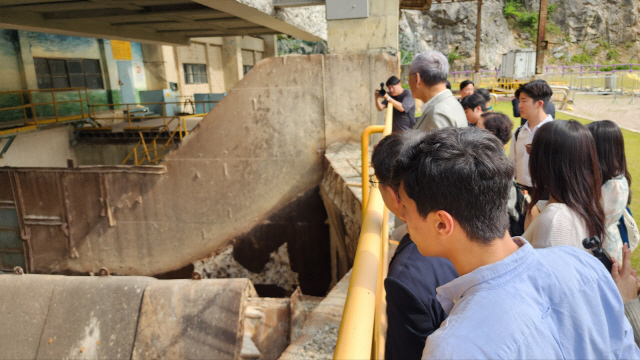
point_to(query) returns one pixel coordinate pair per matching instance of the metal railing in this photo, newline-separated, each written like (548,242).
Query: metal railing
(129,110)
(362,331)
(142,152)
(41,107)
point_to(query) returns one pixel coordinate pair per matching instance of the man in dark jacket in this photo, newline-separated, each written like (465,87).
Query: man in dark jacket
(413,312)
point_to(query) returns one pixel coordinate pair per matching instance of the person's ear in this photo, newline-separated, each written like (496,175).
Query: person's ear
(444,224)
(418,79)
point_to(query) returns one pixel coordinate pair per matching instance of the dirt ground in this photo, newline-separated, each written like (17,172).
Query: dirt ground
(604,107)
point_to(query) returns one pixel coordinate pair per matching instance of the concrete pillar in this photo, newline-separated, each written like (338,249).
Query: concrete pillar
(232,61)
(27,68)
(109,72)
(374,34)
(154,67)
(270,45)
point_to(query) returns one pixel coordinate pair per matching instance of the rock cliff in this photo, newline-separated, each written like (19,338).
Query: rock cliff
(592,27)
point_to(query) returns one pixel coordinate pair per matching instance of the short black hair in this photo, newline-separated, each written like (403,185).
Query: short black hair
(517,93)
(388,150)
(448,84)
(537,90)
(393,81)
(499,125)
(465,83)
(473,101)
(484,93)
(465,172)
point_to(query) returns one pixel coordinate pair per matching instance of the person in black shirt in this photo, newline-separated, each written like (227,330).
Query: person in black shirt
(474,107)
(404,106)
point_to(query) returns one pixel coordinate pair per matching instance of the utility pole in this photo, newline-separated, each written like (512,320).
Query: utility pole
(478,32)
(542,31)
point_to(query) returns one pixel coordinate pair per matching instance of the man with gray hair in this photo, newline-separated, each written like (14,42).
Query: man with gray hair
(428,79)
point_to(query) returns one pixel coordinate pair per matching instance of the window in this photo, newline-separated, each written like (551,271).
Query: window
(64,73)
(195,73)
(246,68)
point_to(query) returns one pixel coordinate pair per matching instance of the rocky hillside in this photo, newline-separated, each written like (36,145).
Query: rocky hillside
(579,31)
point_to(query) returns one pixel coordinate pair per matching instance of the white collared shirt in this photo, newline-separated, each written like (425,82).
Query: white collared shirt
(518,153)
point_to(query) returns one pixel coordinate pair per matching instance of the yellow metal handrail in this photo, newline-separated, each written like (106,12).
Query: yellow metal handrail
(31,120)
(363,326)
(133,106)
(182,131)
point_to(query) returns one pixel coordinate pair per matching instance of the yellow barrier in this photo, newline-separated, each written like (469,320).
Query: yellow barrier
(181,130)
(363,326)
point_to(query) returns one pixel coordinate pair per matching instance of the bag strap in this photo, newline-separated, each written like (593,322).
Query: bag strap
(518,131)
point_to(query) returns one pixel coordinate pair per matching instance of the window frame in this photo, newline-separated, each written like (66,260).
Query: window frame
(67,76)
(194,71)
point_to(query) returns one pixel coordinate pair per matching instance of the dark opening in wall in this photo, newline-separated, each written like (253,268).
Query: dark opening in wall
(302,225)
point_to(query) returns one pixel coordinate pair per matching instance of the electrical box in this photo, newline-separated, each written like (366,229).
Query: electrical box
(518,64)
(347,9)
(610,82)
(210,100)
(161,96)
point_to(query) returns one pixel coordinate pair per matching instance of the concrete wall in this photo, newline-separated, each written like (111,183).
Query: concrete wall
(376,33)
(49,148)
(102,154)
(165,64)
(9,61)
(260,149)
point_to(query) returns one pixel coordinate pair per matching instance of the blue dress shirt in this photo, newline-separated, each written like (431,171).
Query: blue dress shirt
(553,303)
(413,311)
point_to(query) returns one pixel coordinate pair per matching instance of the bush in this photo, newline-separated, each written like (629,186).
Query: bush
(526,21)
(583,58)
(613,54)
(453,56)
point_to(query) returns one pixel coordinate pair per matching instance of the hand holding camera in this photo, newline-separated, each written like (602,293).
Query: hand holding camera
(382,92)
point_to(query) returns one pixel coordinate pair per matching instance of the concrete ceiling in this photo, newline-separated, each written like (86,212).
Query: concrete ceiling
(155,21)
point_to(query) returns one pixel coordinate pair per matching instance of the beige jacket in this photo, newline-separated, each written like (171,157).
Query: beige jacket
(441,111)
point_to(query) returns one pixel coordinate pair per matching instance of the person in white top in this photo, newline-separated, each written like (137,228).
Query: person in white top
(533,97)
(564,164)
(616,181)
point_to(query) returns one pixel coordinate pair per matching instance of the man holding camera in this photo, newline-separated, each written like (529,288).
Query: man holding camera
(404,106)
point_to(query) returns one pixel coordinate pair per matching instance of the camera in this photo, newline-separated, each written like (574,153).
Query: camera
(382,92)
(595,244)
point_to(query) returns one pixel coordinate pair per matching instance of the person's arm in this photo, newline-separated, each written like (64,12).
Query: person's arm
(627,283)
(395,103)
(379,101)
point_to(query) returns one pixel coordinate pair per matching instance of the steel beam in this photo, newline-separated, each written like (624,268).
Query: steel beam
(258,17)
(31,21)
(297,3)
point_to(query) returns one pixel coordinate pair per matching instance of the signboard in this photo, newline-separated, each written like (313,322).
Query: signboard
(121,50)
(138,74)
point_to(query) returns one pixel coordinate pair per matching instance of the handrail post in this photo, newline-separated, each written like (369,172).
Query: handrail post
(55,106)
(355,337)
(364,141)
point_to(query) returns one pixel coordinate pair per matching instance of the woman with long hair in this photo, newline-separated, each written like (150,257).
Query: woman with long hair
(615,181)
(564,164)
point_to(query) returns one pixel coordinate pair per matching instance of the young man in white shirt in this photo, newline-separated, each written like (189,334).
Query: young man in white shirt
(533,97)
